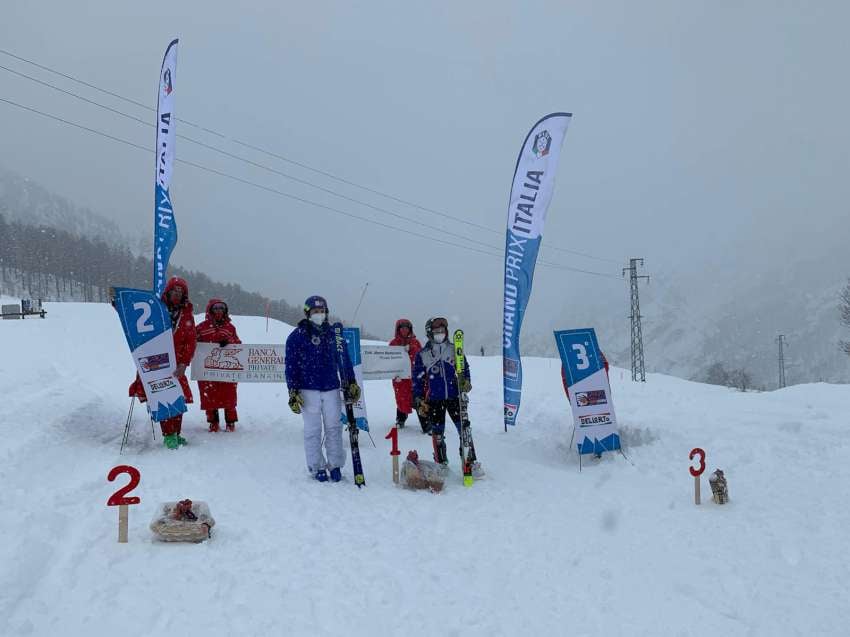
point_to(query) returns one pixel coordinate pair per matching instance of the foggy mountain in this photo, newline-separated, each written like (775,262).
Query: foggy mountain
(686,327)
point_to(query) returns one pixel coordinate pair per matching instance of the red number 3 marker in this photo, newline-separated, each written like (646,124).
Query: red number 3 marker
(697,452)
(117,498)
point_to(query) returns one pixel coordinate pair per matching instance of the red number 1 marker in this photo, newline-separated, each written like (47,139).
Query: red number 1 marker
(393,436)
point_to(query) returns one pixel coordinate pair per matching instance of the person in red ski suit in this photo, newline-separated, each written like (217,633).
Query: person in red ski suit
(403,387)
(176,299)
(218,329)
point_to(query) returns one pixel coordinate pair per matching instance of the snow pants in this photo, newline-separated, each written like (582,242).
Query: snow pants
(321,411)
(171,425)
(230,415)
(437,414)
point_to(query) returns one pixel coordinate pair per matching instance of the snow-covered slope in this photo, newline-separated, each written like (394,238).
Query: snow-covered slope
(535,548)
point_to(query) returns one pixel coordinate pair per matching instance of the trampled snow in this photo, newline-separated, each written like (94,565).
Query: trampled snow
(536,547)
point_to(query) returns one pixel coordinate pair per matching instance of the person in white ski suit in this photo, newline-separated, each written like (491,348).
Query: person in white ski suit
(313,377)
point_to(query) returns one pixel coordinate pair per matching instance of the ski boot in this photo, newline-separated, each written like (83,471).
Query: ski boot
(181,440)
(336,474)
(213,427)
(231,427)
(440,456)
(322,475)
(170,441)
(399,424)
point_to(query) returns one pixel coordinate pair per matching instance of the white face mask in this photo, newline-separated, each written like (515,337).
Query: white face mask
(318,318)
(439,337)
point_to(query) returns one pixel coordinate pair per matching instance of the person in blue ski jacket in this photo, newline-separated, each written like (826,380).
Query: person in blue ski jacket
(313,377)
(435,386)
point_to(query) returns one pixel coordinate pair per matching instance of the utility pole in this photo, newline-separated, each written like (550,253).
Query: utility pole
(638,368)
(781,340)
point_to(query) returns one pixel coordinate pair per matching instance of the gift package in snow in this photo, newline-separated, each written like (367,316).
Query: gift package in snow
(183,521)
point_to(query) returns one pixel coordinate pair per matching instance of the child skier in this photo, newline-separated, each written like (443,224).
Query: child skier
(218,329)
(176,299)
(435,386)
(403,387)
(313,378)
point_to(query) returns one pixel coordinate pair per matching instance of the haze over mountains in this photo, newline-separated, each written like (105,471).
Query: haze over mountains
(687,326)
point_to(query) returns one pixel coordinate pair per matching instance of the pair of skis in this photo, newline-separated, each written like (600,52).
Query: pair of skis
(356,463)
(463,400)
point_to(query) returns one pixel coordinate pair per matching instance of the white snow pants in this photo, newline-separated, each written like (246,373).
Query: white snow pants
(322,406)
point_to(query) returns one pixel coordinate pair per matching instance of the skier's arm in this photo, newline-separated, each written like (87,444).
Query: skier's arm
(234,337)
(291,369)
(418,377)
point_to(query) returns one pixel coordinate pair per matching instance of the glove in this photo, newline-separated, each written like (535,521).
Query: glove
(222,343)
(421,407)
(353,392)
(465,385)
(296,401)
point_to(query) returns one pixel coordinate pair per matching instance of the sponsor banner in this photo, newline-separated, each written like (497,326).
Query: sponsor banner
(589,390)
(385,362)
(531,192)
(352,342)
(164,224)
(244,363)
(147,328)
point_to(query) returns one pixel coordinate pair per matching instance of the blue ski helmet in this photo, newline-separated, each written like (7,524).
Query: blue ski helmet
(315,302)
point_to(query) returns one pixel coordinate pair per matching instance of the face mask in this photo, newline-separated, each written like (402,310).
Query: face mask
(318,318)
(439,338)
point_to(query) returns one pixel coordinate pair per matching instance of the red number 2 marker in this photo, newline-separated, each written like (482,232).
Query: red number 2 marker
(117,498)
(697,452)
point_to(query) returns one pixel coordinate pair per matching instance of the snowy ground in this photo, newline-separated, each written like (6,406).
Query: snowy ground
(535,548)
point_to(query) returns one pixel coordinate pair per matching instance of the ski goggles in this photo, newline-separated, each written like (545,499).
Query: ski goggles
(439,324)
(218,306)
(401,326)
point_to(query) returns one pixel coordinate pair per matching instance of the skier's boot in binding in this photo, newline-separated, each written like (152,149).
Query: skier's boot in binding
(440,456)
(231,427)
(170,441)
(336,474)
(181,440)
(322,475)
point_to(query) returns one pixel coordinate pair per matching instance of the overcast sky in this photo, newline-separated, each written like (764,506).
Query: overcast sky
(710,138)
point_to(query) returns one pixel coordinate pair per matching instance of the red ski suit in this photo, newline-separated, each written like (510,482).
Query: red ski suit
(183,330)
(403,387)
(216,395)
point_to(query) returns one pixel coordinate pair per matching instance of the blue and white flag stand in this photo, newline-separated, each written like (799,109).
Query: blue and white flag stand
(147,327)
(589,393)
(352,342)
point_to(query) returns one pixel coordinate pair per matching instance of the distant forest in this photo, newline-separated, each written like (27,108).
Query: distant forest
(52,264)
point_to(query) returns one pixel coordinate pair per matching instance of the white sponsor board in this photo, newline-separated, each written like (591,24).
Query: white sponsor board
(245,363)
(385,362)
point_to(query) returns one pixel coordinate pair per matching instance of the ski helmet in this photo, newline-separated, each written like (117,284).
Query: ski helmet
(433,323)
(315,302)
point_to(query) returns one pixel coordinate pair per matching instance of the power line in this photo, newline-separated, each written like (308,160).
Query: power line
(242,159)
(286,194)
(280,157)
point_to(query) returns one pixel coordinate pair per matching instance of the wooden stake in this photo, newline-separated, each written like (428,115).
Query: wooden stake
(696,489)
(123,515)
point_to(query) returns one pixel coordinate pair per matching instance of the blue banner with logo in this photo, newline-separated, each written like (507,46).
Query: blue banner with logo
(147,328)
(589,391)
(531,192)
(164,224)
(352,343)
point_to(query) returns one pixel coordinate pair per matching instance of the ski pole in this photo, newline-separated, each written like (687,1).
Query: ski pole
(127,425)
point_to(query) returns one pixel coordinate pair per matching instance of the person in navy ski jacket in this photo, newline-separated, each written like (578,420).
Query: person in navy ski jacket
(435,386)
(313,376)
